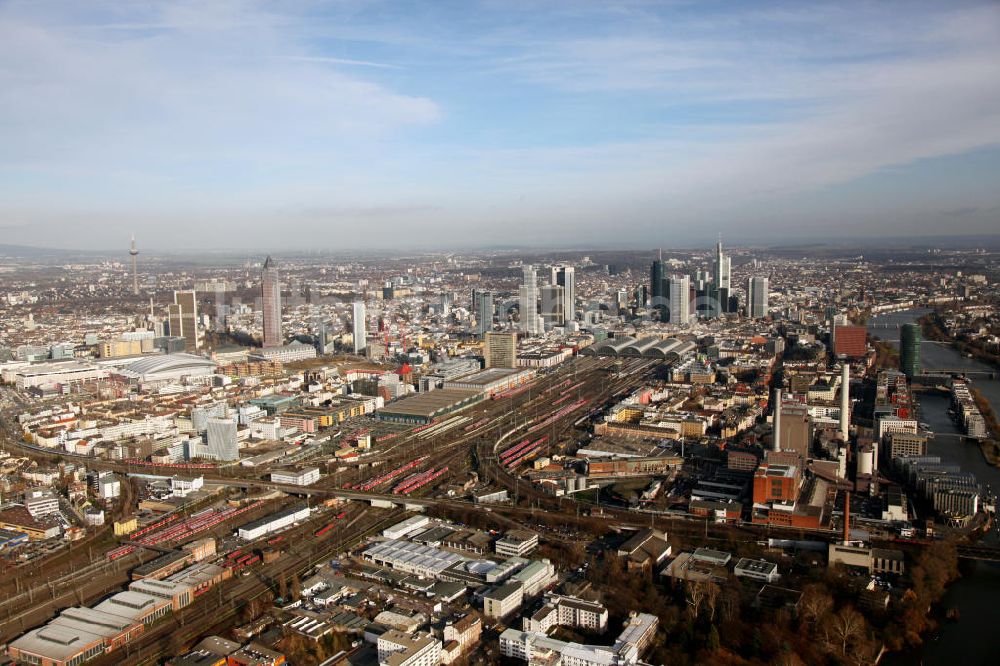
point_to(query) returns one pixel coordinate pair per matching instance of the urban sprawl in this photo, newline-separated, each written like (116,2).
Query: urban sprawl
(587,459)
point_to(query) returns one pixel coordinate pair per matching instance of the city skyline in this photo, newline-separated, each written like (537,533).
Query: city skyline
(629,124)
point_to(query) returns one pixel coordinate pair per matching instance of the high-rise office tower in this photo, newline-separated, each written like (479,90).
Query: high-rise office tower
(221,309)
(188,302)
(909,350)
(175,323)
(222,438)
(482,305)
(500,350)
(134,251)
(680,299)
(566,278)
(360,327)
(757,288)
(658,295)
(721,278)
(321,339)
(531,323)
(552,304)
(270,285)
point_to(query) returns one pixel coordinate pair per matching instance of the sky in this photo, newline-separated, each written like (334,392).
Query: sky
(218,124)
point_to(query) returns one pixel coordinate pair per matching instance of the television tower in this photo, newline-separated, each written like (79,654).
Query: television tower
(135,274)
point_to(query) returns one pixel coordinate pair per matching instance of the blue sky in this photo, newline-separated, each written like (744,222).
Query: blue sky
(419,124)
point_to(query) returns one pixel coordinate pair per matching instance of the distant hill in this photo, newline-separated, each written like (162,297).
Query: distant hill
(28,251)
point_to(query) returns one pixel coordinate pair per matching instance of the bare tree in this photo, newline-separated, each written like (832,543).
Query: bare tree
(712,593)
(845,628)
(730,603)
(816,603)
(695,597)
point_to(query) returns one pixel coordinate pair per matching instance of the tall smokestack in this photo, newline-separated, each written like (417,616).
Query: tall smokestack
(847,518)
(845,399)
(776,422)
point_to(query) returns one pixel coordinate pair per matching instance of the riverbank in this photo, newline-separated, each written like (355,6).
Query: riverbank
(991,451)
(975,593)
(933,329)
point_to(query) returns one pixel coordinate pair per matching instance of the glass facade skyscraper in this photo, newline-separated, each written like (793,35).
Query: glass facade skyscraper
(909,349)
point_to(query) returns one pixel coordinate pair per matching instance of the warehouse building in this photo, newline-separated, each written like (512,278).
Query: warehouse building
(407,527)
(423,408)
(178,594)
(303,477)
(276,521)
(412,557)
(492,380)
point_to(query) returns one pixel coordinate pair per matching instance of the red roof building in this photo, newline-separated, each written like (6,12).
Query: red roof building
(850,341)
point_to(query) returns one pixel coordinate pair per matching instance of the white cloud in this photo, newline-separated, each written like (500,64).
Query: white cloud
(185,82)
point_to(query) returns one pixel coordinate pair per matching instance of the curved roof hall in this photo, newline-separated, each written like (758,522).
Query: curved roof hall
(612,346)
(640,346)
(170,363)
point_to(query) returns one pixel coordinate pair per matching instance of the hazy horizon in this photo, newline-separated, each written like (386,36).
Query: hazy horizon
(396,125)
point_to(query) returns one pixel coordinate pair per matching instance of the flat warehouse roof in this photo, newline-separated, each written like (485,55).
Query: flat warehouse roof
(487,376)
(430,403)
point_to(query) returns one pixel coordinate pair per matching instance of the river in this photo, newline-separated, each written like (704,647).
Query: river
(975,595)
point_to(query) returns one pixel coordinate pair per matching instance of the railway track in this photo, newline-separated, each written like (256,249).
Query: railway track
(220,608)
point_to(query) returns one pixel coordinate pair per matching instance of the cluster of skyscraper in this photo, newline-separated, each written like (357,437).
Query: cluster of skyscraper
(271,299)
(678,297)
(549,304)
(557,299)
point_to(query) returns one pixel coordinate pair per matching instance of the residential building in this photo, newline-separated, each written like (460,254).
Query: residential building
(464,631)
(398,649)
(906,444)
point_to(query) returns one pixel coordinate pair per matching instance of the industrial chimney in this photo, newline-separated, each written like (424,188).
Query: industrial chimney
(847,518)
(845,398)
(776,422)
